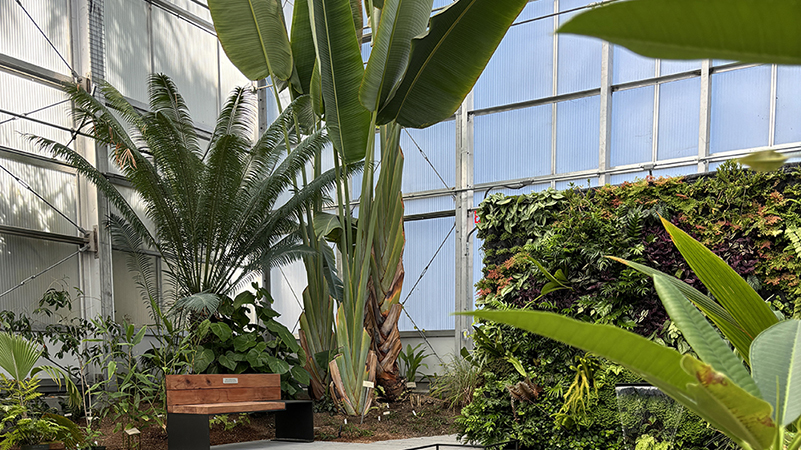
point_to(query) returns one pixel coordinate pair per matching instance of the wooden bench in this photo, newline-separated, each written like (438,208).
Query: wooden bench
(191,399)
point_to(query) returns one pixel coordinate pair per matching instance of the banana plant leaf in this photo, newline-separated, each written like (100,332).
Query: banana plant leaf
(253,35)
(776,358)
(764,31)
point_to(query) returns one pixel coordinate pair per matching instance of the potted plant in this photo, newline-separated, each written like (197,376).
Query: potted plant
(30,433)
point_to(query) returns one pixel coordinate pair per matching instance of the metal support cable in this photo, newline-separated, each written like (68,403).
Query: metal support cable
(423,335)
(22,283)
(431,261)
(428,160)
(294,295)
(26,186)
(72,71)
(567,11)
(25,115)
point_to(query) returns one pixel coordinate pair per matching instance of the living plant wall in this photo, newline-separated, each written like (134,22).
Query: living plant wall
(547,250)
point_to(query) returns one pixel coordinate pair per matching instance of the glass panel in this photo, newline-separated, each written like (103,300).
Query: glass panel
(522,66)
(190,73)
(21,208)
(427,295)
(740,109)
(24,96)
(628,66)
(512,144)
(429,204)
(21,258)
(366,48)
(527,189)
(623,177)
(579,57)
(127,47)
(679,115)
(23,41)
(438,143)
(577,138)
(129,298)
(286,286)
(669,67)
(788,105)
(632,126)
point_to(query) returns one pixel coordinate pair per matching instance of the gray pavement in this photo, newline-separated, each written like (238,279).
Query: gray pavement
(398,444)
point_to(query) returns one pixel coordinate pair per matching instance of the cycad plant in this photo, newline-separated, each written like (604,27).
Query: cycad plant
(217,208)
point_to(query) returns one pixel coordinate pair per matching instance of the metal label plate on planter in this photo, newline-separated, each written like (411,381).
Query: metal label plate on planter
(230,380)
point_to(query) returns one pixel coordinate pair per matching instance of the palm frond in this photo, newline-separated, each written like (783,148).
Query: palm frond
(124,238)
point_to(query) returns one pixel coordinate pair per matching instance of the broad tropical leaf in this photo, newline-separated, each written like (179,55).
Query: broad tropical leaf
(743,30)
(729,288)
(253,35)
(341,70)
(764,161)
(719,316)
(302,46)
(401,20)
(704,339)
(446,62)
(776,366)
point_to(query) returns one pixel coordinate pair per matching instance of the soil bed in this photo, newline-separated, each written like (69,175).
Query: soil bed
(416,416)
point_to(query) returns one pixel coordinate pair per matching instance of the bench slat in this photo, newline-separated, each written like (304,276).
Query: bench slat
(209,381)
(203,396)
(226,408)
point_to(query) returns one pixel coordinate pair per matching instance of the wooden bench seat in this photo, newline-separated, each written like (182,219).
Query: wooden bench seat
(191,399)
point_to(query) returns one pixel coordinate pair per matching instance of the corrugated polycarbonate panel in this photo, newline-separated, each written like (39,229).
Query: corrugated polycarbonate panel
(231,77)
(192,7)
(138,205)
(740,109)
(185,52)
(480,195)
(788,105)
(129,303)
(21,258)
(21,208)
(127,47)
(438,143)
(23,41)
(623,177)
(522,66)
(676,171)
(579,59)
(577,134)
(441,3)
(23,96)
(679,115)
(428,204)
(582,183)
(628,66)
(669,67)
(432,301)
(286,286)
(632,126)
(512,144)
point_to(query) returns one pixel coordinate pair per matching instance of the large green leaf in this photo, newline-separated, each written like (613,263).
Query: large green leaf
(447,61)
(253,35)
(724,321)
(728,407)
(729,288)
(776,365)
(763,161)
(18,356)
(341,70)
(704,339)
(401,20)
(744,30)
(657,364)
(303,46)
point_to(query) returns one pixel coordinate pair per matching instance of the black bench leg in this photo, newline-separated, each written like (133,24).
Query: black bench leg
(188,431)
(296,423)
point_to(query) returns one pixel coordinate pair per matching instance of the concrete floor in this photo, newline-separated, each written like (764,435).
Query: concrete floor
(399,444)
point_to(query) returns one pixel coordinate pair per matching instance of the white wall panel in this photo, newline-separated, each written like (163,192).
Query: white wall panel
(21,208)
(432,301)
(21,39)
(22,96)
(21,258)
(127,47)
(231,77)
(186,53)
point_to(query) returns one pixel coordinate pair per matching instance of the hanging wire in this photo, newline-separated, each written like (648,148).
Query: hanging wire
(428,161)
(431,261)
(294,295)
(72,71)
(423,335)
(25,115)
(22,283)
(567,11)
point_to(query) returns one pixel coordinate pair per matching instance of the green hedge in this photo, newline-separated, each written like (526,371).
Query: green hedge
(741,215)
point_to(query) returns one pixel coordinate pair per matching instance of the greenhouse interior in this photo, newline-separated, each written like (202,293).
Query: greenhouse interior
(553,241)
